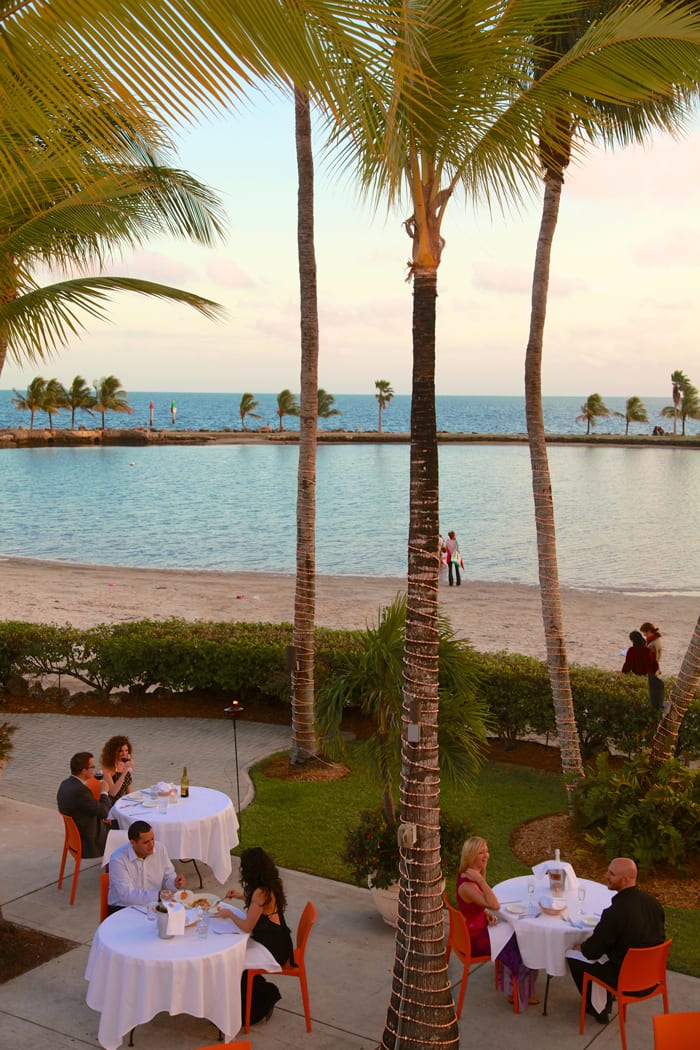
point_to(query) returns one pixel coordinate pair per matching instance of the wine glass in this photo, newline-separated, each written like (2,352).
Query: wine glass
(581,897)
(531,892)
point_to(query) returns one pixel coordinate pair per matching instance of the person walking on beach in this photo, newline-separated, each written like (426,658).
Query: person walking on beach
(454,558)
(652,636)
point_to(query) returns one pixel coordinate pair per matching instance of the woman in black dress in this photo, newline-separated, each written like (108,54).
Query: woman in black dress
(263,895)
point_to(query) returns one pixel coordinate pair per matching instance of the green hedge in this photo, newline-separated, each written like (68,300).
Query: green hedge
(248,660)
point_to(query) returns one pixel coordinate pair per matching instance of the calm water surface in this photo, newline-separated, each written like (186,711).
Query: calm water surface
(626,517)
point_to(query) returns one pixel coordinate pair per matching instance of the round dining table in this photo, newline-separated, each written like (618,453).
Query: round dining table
(544,939)
(203,826)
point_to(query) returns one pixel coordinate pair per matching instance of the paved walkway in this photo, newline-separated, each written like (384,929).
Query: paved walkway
(350,954)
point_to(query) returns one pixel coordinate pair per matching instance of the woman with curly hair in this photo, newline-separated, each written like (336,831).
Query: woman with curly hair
(117,766)
(264,899)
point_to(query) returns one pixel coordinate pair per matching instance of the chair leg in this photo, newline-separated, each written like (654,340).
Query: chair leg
(249,996)
(462,990)
(131,1037)
(305,999)
(621,1015)
(584,996)
(63,865)
(75,881)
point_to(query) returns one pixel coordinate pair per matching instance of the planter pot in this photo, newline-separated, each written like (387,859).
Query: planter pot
(386,902)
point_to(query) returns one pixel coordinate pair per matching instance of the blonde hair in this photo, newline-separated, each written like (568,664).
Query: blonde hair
(470,851)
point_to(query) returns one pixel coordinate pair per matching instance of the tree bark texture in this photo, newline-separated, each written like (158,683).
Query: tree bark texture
(682,694)
(421,1011)
(550,596)
(303,722)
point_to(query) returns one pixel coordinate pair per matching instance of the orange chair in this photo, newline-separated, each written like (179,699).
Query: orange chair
(298,969)
(677,1031)
(458,941)
(72,845)
(641,968)
(94,784)
(104,894)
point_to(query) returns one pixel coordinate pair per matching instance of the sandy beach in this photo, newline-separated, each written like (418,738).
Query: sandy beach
(492,616)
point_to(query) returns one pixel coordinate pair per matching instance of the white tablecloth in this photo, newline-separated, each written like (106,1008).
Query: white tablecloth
(203,826)
(134,974)
(544,941)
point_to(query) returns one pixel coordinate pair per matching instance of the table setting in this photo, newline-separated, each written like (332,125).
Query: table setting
(203,826)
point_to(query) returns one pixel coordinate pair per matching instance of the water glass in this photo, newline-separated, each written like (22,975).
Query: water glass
(151,910)
(531,891)
(162,803)
(581,896)
(203,926)
(153,791)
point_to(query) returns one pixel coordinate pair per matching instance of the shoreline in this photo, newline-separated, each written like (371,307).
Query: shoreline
(141,436)
(491,615)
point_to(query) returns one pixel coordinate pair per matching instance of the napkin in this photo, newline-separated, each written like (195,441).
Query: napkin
(599,997)
(540,872)
(176,918)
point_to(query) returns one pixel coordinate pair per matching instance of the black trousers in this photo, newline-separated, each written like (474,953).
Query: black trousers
(607,972)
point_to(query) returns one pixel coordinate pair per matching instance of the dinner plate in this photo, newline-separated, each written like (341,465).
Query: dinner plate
(516,909)
(149,803)
(590,920)
(203,900)
(136,796)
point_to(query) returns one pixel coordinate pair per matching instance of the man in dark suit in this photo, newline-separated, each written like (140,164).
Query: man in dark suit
(634,919)
(76,800)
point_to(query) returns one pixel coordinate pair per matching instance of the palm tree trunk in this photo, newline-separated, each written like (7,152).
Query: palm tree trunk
(421,1012)
(550,597)
(303,724)
(681,696)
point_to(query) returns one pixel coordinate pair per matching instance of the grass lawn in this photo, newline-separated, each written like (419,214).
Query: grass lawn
(317,815)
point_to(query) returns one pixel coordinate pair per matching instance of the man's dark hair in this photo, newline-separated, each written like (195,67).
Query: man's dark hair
(80,761)
(137,829)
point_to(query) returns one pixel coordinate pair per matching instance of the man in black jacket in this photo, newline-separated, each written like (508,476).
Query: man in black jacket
(634,919)
(76,800)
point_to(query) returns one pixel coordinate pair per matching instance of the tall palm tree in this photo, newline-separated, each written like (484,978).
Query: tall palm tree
(686,402)
(247,407)
(681,696)
(635,412)
(478,127)
(326,405)
(33,400)
(593,409)
(678,381)
(110,397)
(287,405)
(55,398)
(383,395)
(79,396)
(304,743)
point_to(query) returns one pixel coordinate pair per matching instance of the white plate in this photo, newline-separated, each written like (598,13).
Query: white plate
(149,803)
(516,909)
(135,796)
(208,899)
(590,920)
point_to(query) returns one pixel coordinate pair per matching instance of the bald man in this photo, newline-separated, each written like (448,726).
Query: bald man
(634,919)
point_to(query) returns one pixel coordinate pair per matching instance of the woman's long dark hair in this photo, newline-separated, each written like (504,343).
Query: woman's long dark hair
(259,871)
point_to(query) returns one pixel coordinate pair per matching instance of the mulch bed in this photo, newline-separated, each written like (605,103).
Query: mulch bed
(22,949)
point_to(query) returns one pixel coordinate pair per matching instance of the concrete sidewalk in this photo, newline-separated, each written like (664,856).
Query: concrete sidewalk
(350,954)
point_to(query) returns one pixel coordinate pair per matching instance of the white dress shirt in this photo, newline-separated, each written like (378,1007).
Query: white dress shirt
(133,880)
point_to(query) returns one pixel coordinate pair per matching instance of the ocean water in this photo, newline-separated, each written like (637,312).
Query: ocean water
(627,518)
(480,415)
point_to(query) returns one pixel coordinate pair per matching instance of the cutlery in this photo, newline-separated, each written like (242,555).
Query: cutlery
(135,908)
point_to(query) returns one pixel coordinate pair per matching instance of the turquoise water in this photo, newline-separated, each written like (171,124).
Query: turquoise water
(626,517)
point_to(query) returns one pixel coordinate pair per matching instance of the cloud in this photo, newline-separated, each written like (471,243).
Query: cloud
(514,280)
(226,273)
(673,247)
(154,266)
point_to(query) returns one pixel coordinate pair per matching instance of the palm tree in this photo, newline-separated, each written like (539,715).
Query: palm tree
(686,402)
(681,696)
(110,397)
(678,381)
(594,408)
(55,398)
(79,395)
(286,406)
(75,225)
(326,402)
(33,400)
(635,412)
(247,408)
(383,395)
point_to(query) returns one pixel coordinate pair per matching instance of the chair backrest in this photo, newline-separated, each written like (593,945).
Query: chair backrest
(115,839)
(75,845)
(104,894)
(643,968)
(95,786)
(307,920)
(676,1031)
(458,936)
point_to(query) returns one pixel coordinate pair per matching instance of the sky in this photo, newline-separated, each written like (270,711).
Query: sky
(623,309)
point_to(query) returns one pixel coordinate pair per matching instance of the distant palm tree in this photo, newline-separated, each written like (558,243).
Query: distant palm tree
(325,405)
(593,409)
(686,402)
(286,406)
(55,398)
(678,381)
(383,395)
(79,395)
(635,412)
(247,408)
(33,400)
(110,397)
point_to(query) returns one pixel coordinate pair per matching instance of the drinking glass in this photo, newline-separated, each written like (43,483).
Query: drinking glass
(162,803)
(151,910)
(581,897)
(203,926)
(531,892)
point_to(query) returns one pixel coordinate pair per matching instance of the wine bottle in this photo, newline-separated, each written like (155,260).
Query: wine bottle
(184,784)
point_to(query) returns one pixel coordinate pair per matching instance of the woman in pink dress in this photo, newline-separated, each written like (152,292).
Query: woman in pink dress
(474,896)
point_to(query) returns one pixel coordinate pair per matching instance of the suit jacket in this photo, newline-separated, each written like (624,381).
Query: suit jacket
(76,800)
(635,919)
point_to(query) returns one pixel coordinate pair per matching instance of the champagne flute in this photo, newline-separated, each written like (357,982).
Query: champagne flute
(581,897)
(531,892)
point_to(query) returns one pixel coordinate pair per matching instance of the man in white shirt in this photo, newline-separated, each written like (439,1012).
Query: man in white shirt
(141,871)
